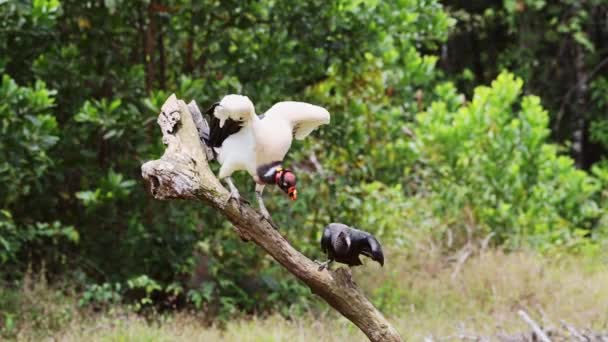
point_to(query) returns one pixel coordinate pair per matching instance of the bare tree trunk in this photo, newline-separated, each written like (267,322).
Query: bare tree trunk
(580,108)
(183,173)
(188,65)
(162,61)
(150,47)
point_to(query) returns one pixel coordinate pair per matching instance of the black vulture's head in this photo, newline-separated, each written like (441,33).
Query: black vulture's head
(378,256)
(376,250)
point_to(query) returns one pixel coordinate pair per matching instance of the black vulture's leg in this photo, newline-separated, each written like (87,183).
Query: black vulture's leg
(324,265)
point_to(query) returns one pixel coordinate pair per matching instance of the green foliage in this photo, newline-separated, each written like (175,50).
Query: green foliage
(146,286)
(83,83)
(27,132)
(33,241)
(101,294)
(26,29)
(494,169)
(558,47)
(112,187)
(112,64)
(599,96)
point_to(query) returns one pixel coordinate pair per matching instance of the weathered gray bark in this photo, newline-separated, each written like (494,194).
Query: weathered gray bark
(183,173)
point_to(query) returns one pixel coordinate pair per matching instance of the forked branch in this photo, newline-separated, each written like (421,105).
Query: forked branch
(183,173)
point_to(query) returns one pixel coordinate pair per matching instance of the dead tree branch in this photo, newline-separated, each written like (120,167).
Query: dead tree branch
(538,331)
(183,173)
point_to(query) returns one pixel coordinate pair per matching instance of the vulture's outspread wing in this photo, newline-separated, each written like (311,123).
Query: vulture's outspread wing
(303,117)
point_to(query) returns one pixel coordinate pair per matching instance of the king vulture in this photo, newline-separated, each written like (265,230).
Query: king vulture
(242,140)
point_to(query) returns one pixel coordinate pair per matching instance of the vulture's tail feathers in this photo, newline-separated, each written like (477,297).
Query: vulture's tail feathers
(203,128)
(326,239)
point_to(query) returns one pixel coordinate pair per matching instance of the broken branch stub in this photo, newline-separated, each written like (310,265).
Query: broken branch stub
(183,173)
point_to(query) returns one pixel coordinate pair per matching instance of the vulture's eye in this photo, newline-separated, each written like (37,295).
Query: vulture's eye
(284,183)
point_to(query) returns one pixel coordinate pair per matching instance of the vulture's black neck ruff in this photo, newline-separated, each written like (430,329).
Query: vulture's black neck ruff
(267,172)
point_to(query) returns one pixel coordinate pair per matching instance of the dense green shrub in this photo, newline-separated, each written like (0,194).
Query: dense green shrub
(28,131)
(558,47)
(495,170)
(74,205)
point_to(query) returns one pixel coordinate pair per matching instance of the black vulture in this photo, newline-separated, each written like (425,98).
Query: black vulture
(344,245)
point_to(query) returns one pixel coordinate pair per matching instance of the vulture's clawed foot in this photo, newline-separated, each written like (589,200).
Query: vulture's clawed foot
(274,225)
(323,265)
(265,215)
(235,196)
(269,220)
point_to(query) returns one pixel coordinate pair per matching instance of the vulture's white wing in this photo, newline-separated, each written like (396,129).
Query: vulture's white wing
(303,117)
(238,108)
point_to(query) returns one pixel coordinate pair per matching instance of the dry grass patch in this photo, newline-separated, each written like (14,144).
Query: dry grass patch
(484,297)
(417,291)
(183,327)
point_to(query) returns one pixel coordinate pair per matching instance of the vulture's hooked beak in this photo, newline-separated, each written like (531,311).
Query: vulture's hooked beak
(292,193)
(378,257)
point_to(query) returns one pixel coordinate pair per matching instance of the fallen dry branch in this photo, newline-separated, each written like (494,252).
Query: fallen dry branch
(568,334)
(183,173)
(574,333)
(538,331)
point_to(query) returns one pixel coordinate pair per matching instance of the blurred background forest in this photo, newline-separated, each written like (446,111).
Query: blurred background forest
(458,128)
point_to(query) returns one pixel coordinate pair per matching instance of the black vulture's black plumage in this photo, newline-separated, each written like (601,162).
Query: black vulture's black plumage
(344,244)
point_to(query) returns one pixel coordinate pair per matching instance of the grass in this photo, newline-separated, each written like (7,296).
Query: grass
(485,296)
(418,292)
(187,328)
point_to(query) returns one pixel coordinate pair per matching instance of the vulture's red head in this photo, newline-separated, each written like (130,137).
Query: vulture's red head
(286,180)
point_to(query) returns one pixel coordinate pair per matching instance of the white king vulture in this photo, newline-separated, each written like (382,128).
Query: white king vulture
(242,140)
